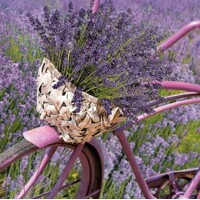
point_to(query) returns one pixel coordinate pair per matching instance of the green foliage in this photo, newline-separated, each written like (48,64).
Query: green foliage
(187,59)
(2,191)
(110,191)
(15,51)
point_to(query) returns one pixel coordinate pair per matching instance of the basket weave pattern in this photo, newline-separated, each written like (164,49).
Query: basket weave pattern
(57,108)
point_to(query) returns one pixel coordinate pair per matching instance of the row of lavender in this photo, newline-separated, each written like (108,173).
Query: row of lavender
(158,142)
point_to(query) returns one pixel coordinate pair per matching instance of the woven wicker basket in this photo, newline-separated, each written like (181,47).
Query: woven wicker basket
(56,107)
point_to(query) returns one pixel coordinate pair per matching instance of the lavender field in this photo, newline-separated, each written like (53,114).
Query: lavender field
(168,141)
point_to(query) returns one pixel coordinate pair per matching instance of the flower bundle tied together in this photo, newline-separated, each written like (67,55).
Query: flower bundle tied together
(101,60)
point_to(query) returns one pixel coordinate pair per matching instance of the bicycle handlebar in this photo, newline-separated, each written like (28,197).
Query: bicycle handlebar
(178,35)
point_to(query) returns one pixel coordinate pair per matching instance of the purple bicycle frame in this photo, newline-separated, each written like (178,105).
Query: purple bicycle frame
(194,88)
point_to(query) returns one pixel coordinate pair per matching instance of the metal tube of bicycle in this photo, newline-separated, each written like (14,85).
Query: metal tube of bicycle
(195,182)
(95,6)
(175,85)
(178,35)
(37,173)
(66,171)
(131,158)
(173,97)
(169,107)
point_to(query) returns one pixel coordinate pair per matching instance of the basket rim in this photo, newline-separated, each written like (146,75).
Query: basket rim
(69,85)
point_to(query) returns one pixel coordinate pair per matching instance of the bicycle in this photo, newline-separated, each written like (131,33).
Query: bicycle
(89,168)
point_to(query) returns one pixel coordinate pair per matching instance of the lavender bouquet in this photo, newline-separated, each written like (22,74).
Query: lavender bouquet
(98,69)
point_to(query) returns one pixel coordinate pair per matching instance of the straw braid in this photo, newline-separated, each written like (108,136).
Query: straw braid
(56,107)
